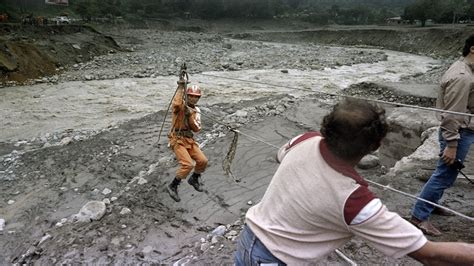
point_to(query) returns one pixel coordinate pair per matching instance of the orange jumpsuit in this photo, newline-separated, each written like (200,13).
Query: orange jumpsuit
(181,140)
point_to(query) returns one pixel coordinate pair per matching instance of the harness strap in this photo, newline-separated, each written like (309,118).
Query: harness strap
(184,133)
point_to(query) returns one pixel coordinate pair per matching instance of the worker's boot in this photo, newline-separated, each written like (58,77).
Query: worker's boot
(173,189)
(195,181)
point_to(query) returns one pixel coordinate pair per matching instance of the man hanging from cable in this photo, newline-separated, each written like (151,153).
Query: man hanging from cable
(186,119)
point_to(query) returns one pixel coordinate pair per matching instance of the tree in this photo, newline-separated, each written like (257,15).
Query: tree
(210,9)
(458,8)
(87,9)
(134,6)
(334,11)
(294,4)
(423,10)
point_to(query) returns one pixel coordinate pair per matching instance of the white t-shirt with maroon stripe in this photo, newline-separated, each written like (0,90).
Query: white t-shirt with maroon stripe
(315,203)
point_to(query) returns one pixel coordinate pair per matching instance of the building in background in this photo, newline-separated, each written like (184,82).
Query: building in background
(57,2)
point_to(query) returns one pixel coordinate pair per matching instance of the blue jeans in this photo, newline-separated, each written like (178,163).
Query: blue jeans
(252,252)
(443,177)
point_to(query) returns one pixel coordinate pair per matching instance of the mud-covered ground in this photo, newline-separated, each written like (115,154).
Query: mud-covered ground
(109,152)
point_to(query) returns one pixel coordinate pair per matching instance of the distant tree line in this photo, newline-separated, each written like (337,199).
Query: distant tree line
(440,11)
(316,11)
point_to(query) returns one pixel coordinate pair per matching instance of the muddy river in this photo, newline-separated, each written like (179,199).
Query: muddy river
(40,110)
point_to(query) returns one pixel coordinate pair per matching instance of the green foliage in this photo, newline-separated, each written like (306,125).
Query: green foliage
(209,9)
(441,11)
(319,18)
(315,11)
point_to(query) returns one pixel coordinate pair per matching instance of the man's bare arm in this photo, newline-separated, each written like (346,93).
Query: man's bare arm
(445,253)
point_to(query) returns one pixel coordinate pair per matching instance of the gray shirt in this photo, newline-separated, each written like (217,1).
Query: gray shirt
(456,93)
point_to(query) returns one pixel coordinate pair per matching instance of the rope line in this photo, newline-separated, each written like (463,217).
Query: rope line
(239,132)
(421,199)
(338,252)
(365,99)
(348,96)
(370,181)
(344,257)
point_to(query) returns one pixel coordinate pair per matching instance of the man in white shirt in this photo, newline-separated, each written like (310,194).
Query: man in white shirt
(316,200)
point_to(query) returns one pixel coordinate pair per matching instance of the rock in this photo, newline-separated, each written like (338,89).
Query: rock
(414,119)
(106,191)
(420,163)
(216,239)
(237,223)
(219,231)
(284,71)
(147,250)
(406,128)
(205,246)
(65,141)
(233,233)
(93,210)
(19,143)
(44,238)
(125,211)
(369,161)
(241,113)
(142,181)
(2,224)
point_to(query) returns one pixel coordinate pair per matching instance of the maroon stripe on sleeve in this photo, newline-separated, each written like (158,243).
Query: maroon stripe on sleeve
(356,202)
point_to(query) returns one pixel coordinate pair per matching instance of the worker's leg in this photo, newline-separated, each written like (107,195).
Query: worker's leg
(185,161)
(198,156)
(185,167)
(443,177)
(201,164)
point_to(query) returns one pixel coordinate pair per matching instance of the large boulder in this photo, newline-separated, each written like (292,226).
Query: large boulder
(421,163)
(406,128)
(92,211)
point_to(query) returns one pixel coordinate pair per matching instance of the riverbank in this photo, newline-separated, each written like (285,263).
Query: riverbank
(74,47)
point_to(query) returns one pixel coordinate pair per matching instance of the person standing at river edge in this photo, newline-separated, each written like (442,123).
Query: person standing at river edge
(186,120)
(456,134)
(316,201)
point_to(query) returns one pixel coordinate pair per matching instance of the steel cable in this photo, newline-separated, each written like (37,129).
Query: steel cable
(346,96)
(370,181)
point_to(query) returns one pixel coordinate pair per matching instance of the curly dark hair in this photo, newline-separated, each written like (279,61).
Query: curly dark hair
(354,128)
(467,46)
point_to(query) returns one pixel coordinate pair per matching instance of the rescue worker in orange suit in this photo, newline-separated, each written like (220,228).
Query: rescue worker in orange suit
(186,120)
